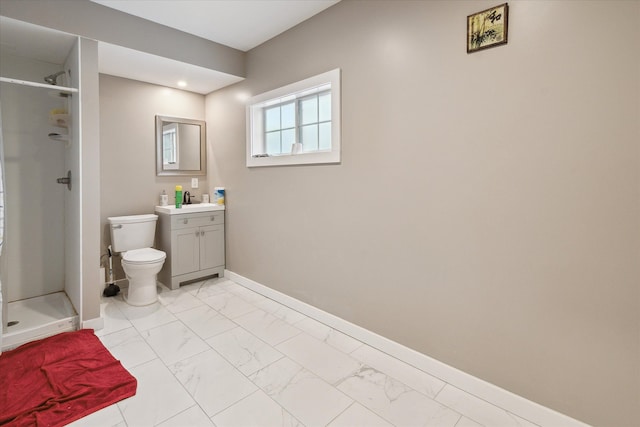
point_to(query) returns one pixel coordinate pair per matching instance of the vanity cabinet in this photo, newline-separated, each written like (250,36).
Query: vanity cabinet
(194,244)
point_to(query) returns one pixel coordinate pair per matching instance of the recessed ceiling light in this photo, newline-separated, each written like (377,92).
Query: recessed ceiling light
(182,83)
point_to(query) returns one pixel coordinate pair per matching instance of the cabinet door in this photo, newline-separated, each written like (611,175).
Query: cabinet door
(185,249)
(211,246)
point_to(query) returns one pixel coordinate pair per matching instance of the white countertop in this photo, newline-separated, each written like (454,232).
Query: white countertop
(193,208)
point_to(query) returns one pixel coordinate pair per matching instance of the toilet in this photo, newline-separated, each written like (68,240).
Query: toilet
(132,236)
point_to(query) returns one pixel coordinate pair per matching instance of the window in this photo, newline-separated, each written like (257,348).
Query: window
(296,124)
(169,146)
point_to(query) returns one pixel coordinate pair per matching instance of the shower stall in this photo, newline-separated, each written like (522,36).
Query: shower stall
(41,262)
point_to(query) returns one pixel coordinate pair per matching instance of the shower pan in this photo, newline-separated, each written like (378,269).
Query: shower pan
(38,317)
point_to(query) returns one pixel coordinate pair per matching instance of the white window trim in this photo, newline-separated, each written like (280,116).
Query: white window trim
(255,126)
(173,128)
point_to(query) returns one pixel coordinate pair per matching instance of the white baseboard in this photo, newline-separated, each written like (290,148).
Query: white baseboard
(491,393)
(95,324)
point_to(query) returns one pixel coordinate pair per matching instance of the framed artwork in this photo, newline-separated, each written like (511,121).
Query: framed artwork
(487,28)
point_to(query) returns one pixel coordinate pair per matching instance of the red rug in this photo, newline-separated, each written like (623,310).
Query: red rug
(57,380)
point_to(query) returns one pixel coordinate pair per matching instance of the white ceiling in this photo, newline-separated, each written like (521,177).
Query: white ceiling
(145,67)
(240,24)
(32,41)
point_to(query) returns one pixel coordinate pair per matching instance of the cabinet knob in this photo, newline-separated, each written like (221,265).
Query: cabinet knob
(202,233)
(197,233)
(213,218)
(185,221)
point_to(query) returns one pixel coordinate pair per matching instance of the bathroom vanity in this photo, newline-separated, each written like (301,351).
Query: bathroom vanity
(193,239)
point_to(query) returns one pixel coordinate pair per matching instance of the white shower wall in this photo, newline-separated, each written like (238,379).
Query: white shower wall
(34,201)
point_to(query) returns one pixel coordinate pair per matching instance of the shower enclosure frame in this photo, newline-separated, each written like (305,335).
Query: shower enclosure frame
(82,207)
(35,303)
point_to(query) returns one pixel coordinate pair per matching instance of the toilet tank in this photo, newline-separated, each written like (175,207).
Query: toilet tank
(132,232)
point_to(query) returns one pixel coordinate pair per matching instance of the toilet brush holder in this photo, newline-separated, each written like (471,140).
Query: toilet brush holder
(112,289)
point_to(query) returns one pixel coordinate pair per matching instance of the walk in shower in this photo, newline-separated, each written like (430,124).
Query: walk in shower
(36,139)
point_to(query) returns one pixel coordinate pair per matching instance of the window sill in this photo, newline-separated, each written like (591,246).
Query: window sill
(328,157)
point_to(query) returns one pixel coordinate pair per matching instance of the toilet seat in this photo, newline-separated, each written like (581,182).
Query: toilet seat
(143,256)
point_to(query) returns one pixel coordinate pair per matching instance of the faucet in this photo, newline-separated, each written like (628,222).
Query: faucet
(187,198)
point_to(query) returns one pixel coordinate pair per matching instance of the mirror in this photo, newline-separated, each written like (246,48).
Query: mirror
(180,146)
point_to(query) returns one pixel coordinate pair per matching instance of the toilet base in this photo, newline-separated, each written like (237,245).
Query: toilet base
(142,281)
(142,291)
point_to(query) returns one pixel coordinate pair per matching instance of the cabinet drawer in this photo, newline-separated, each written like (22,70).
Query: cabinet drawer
(196,220)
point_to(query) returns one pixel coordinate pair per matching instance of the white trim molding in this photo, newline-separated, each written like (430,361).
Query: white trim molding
(484,390)
(255,139)
(95,324)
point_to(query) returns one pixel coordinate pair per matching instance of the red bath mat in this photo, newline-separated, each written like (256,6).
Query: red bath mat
(57,380)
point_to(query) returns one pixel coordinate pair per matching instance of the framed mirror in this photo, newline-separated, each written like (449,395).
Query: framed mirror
(180,146)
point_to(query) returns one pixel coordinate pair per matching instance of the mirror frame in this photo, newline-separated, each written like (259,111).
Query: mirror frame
(203,147)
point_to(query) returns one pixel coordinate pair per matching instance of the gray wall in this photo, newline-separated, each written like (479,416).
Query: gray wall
(486,211)
(86,234)
(129,185)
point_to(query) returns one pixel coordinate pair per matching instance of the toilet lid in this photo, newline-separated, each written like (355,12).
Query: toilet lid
(143,256)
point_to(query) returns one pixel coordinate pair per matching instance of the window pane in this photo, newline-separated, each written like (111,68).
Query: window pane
(289,115)
(272,118)
(325,136)
(288,138)
(324,102)
(169,147)
(309,110)
(310,138)
(273,143)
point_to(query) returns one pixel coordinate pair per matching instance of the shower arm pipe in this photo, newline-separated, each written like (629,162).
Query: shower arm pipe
(41,85)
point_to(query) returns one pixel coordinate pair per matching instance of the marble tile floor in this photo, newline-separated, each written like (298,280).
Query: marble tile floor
(214,353)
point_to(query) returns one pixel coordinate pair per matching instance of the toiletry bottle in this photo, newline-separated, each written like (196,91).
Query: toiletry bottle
(178,196)
(219,193)
(164,199)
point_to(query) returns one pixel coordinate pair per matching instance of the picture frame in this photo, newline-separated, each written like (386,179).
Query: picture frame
(488,28)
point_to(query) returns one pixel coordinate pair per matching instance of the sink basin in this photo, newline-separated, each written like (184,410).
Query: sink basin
(198,207)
